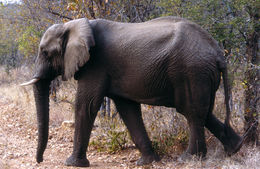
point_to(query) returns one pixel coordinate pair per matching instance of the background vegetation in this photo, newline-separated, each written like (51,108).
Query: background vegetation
(233,23)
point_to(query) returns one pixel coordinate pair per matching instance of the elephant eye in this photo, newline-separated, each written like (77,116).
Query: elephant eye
(45,53)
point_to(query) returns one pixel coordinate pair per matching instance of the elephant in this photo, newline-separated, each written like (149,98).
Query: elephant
(167,61)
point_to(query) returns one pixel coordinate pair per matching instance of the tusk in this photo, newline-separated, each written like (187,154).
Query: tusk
(30,82)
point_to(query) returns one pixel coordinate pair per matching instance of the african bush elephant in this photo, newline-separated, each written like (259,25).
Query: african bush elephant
(167,61)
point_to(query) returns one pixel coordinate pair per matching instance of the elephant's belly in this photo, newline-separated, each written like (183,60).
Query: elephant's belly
(156,97)
(157,101)
(143,87)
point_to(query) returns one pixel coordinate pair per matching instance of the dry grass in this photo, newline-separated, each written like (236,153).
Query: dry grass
(18,133)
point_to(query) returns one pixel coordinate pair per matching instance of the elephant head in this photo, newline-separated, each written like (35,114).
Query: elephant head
(62,50)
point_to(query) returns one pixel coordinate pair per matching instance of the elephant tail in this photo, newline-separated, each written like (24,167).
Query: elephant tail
(223,70)
(227,95)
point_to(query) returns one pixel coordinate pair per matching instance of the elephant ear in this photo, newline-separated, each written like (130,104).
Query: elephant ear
(78,38)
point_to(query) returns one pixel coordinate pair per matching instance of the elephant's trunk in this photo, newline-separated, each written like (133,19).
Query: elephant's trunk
(41,95)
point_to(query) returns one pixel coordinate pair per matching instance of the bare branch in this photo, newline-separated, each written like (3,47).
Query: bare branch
(242,33)
(58,14)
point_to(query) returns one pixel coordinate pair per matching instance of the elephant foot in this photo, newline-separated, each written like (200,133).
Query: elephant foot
(233,148)
(144,160)
(237,142)
(77,162)
(233,141)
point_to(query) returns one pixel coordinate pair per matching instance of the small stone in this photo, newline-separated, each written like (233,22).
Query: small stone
(68,124)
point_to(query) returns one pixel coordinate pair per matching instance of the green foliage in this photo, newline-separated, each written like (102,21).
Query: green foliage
(115,136)
(228,21)
(119,10)
(167,143)
(28,41)
(116,139)
(9,54)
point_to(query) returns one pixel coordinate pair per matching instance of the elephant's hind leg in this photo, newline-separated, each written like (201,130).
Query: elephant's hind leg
(130,112)
(232,142)
(197,143)
(196,101)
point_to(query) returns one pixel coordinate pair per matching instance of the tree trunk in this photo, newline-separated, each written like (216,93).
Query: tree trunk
(108,110)
(105,108)
(251,104)
(252,80)
(102,109)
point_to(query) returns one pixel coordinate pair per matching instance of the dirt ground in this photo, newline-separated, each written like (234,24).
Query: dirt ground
(18,140)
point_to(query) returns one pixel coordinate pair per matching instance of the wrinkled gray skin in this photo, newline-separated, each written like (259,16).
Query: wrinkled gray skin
(164,62)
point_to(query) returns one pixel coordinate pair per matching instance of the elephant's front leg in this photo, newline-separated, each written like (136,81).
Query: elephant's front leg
(87,106)
(130,112)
